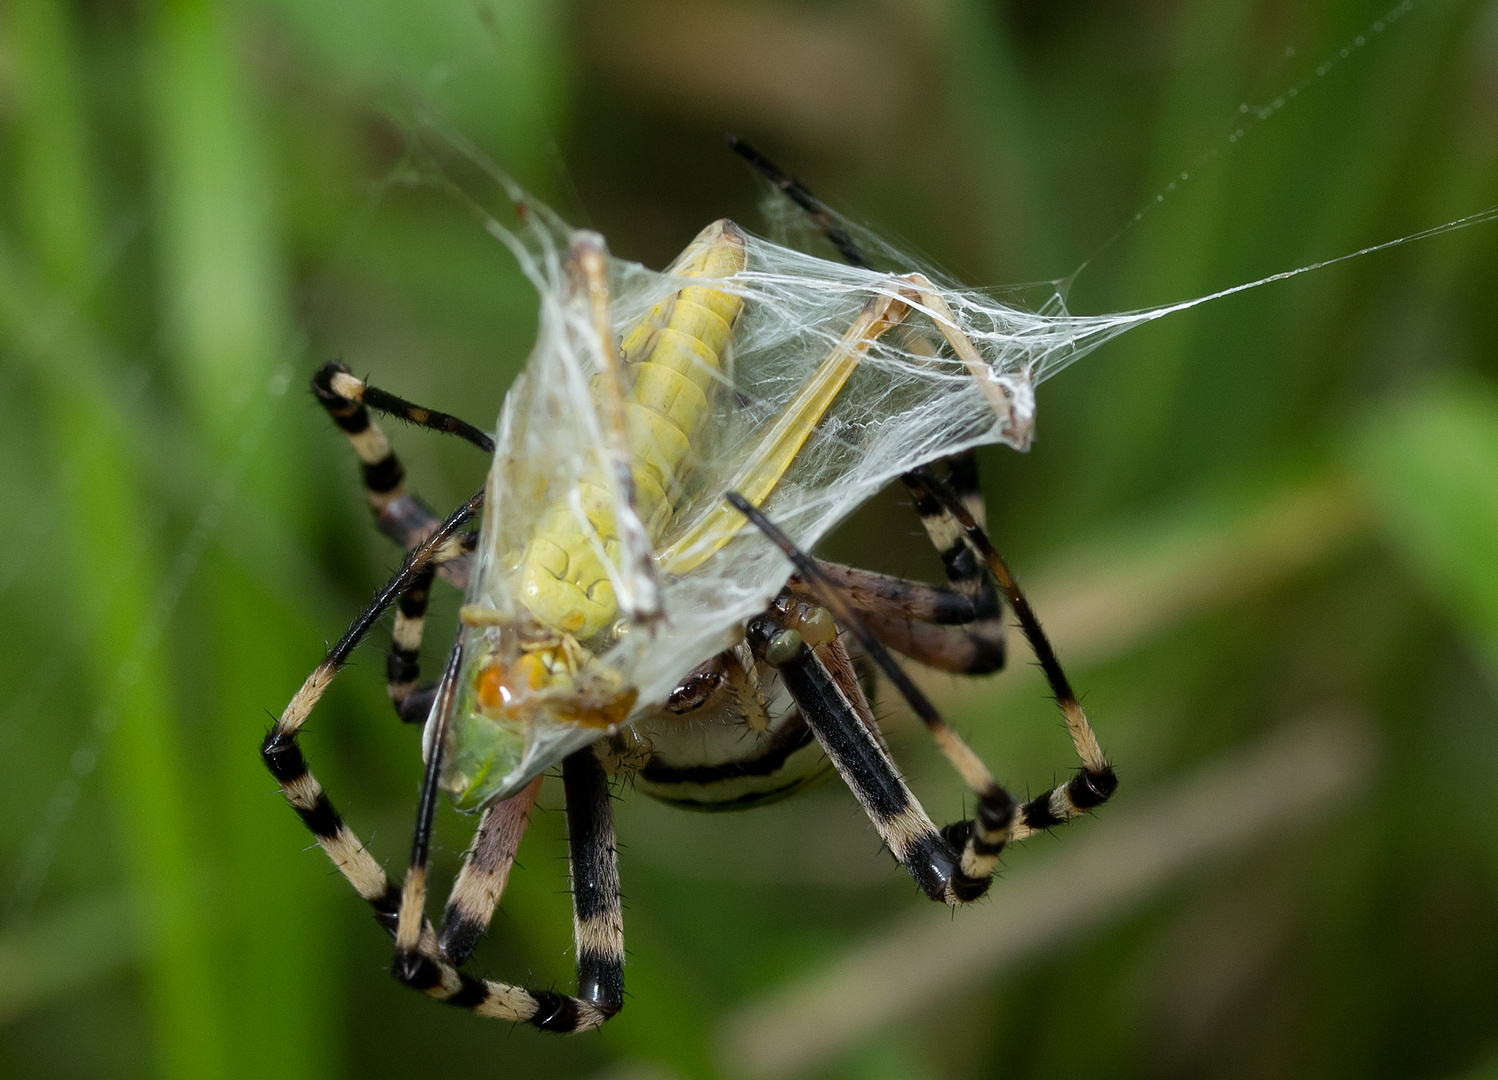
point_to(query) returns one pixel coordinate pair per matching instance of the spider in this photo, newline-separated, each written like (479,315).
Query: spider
(535,680)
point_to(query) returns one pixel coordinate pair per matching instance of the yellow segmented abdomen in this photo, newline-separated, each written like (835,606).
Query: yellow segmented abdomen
(675,357)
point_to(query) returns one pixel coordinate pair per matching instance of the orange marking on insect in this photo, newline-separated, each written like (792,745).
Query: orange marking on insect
(497,685)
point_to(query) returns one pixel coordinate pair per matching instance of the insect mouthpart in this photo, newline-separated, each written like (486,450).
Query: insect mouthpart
(526,701)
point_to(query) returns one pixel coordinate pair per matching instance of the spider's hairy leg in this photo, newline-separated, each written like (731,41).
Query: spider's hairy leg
(965,571)
(597,916)
(338,388)
(402,662)
(412,700)
(939,627)
(283,756)
(960,629)
(419,961)
(1096,782)
(486,870)
(597,919)
(398,514)
(998,819)
(863,763)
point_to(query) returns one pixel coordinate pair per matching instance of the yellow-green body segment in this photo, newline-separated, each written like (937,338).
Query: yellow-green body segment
(673,367)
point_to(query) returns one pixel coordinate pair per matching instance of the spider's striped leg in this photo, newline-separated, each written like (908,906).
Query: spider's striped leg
(597,915)
(598,922)
(942,628)
(955,865)
(334,383)
(864,765)
(283,756)
(998,819)
(486,870)
(413,701)
(402,663)
(972,646)
(401,516)
(1096,782)
(419,962)
(972,643)
(398,514)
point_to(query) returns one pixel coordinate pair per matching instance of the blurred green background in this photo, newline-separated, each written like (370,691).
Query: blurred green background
(1263,532)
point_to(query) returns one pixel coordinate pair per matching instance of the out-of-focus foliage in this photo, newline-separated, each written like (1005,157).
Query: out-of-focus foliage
(201,202)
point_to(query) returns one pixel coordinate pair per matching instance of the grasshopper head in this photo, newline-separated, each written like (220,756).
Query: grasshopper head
(527,697)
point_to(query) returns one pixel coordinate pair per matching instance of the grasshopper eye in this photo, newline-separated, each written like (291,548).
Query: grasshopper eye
(498,685)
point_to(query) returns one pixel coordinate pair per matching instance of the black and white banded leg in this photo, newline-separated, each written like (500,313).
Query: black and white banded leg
(283,756)
(598,924)
(861,761)
(413,699)
(399,515)
(403,662)
(424,960)
(481,881)
(957,864)
(954,865)
(973,645)
(940,627)
(1096,781)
